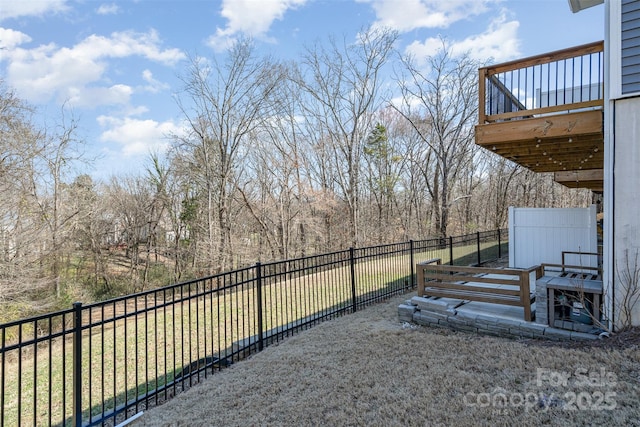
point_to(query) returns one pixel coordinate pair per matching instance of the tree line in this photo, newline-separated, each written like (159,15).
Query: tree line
(351,145)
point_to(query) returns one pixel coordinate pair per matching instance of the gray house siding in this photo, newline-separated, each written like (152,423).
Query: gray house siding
(630,46)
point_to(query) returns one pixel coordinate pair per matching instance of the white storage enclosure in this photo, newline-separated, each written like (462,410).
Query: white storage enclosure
(540,235)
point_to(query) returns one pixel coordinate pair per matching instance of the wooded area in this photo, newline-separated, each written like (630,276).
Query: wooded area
(349,146)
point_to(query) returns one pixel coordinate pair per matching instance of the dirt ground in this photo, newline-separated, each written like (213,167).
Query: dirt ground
(368,369)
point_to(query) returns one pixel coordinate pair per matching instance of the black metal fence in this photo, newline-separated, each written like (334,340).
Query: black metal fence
(102,363)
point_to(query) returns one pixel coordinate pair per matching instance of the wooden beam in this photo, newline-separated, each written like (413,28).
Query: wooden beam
(579,175)
(598,103)
(544,144)
(558,156)
(593,179)
(556,126)
(563,157)
(561,149)
(595,186)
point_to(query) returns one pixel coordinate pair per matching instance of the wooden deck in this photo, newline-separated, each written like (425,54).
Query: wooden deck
(545,113)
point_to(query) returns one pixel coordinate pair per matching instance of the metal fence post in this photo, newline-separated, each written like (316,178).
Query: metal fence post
(259,303)
(413,266)
(77,364)
(450,250)
(352,261)
(499,245)
(478,240)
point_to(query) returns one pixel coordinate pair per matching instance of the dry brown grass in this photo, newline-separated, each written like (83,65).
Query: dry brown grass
(366,369)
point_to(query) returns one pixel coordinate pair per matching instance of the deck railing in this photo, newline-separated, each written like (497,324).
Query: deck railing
(565,80)
(103,363)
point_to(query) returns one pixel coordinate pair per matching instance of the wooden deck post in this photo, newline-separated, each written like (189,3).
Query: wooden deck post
(420,273)
(525,293)
(482,76)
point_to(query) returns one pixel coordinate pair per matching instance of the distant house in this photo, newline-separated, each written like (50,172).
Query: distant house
(576,113)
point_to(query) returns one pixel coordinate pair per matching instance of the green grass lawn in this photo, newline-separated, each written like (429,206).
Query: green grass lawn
(139,353)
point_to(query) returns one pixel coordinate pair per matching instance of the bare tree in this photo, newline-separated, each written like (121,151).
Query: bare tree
(91,231)
(412,206)
(275,188)
(131,199)
(225,104)
(175,210)
(36,220)
(501,176)
(19,261)
(343,88)
(441,105)
(60,152)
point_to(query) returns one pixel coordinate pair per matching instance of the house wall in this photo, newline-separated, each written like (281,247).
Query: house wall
(622,159)
(539,235)
(626,174)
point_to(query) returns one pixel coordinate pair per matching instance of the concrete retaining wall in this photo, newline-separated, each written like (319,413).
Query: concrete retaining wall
(430,312)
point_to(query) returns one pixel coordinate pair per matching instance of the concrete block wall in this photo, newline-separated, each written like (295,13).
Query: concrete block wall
(429,312)
(542,313)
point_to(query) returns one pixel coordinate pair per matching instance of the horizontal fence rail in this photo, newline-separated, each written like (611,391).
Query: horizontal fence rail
(102,363)
(570,79)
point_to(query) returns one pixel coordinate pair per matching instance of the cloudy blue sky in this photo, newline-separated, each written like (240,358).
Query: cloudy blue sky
(116,63)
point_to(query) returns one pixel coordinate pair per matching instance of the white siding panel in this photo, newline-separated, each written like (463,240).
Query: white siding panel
(539,236)
(626,240)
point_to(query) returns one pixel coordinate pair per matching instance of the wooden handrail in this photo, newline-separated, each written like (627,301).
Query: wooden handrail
(546,58)
(489,73)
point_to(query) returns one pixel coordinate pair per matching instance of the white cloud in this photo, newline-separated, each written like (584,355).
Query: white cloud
(154,86)
(409,15)
(424,49)
(11,38)
(498,43)
(131,110)
(250,18)
(86,97)
(19,8)
(138,137)
(108,9)
(79,73)
(128,43)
